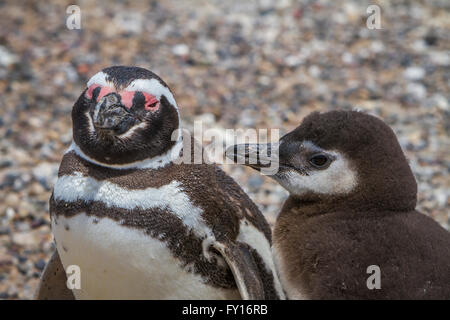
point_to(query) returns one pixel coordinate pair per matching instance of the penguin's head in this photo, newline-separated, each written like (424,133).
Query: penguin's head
(125,115)
(341,155)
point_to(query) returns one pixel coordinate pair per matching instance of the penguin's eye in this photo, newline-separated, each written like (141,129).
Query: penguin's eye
(151,103)
(320,161)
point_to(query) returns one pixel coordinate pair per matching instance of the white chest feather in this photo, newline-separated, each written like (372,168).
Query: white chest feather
(78,187)
(117,262)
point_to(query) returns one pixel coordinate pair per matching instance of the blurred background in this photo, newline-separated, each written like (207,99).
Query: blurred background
(231,64)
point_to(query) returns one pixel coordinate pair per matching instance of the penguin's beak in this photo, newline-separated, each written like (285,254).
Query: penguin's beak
(111,117)
(261,157)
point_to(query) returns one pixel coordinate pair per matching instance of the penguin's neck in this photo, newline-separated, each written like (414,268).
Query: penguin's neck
(157,162)
(313,206)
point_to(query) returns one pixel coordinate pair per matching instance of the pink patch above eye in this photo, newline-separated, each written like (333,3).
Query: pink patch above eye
(90,90)
(103,91)
(151,103)
(127,98)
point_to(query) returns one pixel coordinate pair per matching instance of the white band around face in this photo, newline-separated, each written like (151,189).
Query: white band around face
(156,89)
(159,161)
(150,86)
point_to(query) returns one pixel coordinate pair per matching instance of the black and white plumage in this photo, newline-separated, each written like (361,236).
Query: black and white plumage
(141,225)
(351,206)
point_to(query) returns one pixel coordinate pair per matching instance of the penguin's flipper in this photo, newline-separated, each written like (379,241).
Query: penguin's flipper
(52,285)
(244,269)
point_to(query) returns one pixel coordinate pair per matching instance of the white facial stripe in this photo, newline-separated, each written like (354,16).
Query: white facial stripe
(129,133)
(97,109)
(91,124)
(338,178)
(71,188)
(100,79)
(150,86)
(153,87)
(152,163)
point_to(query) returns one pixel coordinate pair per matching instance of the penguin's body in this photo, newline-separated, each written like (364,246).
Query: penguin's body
(142,233)
(349,229)
(327,254)
(140,224)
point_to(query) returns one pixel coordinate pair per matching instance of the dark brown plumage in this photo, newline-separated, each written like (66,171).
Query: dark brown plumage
(327,243)
(325,239)
(326,252)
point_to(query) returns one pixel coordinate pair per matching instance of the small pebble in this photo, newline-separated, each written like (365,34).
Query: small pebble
(40,265)
(414,73)
(180,50)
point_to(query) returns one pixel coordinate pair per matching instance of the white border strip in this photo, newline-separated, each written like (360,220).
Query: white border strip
(152,163)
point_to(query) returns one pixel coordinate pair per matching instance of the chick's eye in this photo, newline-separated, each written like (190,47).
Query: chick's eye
(320,161)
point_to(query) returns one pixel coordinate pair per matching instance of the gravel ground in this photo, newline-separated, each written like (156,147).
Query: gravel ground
(232,64)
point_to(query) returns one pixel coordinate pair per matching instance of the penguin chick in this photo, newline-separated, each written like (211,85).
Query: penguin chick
(137,222)
(349,229)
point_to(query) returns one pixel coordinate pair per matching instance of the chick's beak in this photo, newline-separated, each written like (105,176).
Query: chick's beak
(111,117)
(261,157)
